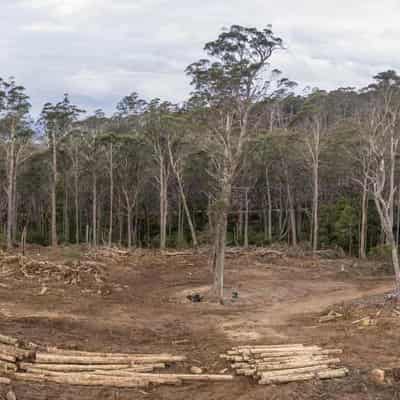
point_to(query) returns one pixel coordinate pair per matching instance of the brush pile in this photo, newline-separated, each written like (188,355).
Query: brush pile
(75,273)
(71,367)
(112,253)
(285,363)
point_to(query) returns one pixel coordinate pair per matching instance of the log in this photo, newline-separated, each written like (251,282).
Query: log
(287,378)
(288,359)
(278,352)
(56,350)
(49,358)
(191,377)
(43,368)
(268,346)
(333,373)
(294,371)
(5,381)
(125,372)
(19,353)
(81,380)
(7,366)
(86,379)
(8,357)
(331,351)
(291,365)
(8,340)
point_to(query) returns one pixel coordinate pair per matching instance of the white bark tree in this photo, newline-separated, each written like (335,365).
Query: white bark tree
(380,134)
(227,89)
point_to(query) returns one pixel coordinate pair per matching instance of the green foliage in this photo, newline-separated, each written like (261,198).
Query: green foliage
(339,225)
(381,252)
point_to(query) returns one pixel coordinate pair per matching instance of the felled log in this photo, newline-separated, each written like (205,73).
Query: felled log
(49,358)
(5,381)
(83,380)
(291,365)
(294,371)
(287,378)
(326,374)
(189,377)
(268,346)
(8,357)
(42,368)
(279,351)
(8,340)
(56,350)
(7,366)
(19,353)
(314,357)
(333,373)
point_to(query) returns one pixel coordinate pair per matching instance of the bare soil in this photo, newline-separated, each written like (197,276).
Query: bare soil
(142,306)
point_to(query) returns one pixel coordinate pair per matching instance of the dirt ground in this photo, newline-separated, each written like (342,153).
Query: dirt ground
(142,307)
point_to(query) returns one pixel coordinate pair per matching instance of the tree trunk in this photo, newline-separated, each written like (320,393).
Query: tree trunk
(315,207)
(10,194)
(110,231)
(163,204)
(220,240)
(246,219)
(65,212)
(364,220)
(187,212)
(94,210)
(54,240)
(292,215)
(76,198)
(386,219)
(180,225)
(269,202)
(129,226)
(14,230)
(120,220)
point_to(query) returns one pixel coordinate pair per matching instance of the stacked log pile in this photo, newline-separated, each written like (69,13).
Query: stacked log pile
(83,368)
(285,363)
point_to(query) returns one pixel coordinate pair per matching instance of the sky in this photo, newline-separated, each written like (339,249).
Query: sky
(101,50)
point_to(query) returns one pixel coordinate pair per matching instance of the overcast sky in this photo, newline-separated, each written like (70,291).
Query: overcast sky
(100,50)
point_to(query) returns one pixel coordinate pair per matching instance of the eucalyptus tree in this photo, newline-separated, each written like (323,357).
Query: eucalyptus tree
(57,121)
(228,86)
(92,149)
(156,125)
(15,133)
(180,148)
(132,155)
(313,123)
(380,135)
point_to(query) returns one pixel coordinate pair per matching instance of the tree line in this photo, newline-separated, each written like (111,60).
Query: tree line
(248,159)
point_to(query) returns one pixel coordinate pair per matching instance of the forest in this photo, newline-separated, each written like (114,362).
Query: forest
(242,243)
(250,153)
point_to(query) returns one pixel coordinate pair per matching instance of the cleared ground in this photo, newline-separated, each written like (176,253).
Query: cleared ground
(142,306)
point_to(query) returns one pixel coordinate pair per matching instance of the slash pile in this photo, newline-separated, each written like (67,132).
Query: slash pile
(81,273)
(83,368)
(285,363)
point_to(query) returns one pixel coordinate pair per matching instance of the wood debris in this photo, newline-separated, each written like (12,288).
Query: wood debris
(72,367)
(269,364)
(331,316)
(80,273)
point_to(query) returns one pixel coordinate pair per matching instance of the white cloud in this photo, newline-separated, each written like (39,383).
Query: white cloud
(99,50)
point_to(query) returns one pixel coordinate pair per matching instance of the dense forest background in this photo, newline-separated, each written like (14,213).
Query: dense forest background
(317,167)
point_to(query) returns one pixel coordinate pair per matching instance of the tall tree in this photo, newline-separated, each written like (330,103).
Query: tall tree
(229,85)
(380,130)
(15,133)
(57,121)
